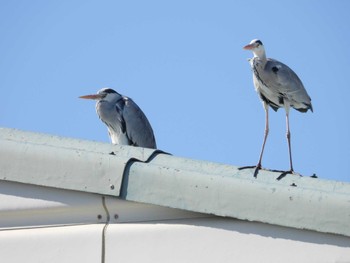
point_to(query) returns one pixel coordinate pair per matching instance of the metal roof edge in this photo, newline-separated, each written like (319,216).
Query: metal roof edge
(144,175)
(66,163)
(223,190)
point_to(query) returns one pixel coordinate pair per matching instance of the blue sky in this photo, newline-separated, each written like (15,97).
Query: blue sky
(183,64)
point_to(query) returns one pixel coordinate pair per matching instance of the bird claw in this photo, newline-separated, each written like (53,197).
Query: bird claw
(246,167)
(282,175)
(256,171)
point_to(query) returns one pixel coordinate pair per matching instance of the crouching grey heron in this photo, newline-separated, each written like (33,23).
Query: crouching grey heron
(278,86)
(126,123)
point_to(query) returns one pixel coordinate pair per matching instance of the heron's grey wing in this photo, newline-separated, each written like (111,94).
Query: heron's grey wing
(138,128)
(285,84)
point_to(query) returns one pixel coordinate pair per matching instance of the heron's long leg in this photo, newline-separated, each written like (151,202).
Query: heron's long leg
(266,133)
(289,140)
(258,166)
(291,171)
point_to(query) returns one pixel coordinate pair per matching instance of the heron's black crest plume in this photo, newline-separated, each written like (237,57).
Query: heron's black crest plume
(108,90)
(259,42)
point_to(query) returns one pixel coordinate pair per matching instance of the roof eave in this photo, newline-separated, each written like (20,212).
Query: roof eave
(148,176)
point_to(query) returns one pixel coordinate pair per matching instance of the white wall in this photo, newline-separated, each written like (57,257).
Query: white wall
(41,224)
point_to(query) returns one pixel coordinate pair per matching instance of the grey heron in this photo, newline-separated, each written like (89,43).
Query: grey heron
(278,86)
(126,123)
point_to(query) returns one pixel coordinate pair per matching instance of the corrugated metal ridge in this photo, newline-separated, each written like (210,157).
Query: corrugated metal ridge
(223,190)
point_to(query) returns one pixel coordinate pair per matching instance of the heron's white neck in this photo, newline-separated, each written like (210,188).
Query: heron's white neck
(260,53)
(112,97)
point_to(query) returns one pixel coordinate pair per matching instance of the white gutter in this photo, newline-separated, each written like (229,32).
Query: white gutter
(223,190)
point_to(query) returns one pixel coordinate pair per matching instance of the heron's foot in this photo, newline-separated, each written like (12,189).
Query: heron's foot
(246,167)
(256,171)
(284,173)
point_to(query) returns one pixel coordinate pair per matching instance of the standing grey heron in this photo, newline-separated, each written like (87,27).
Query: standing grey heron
(126,123)
(278,86)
